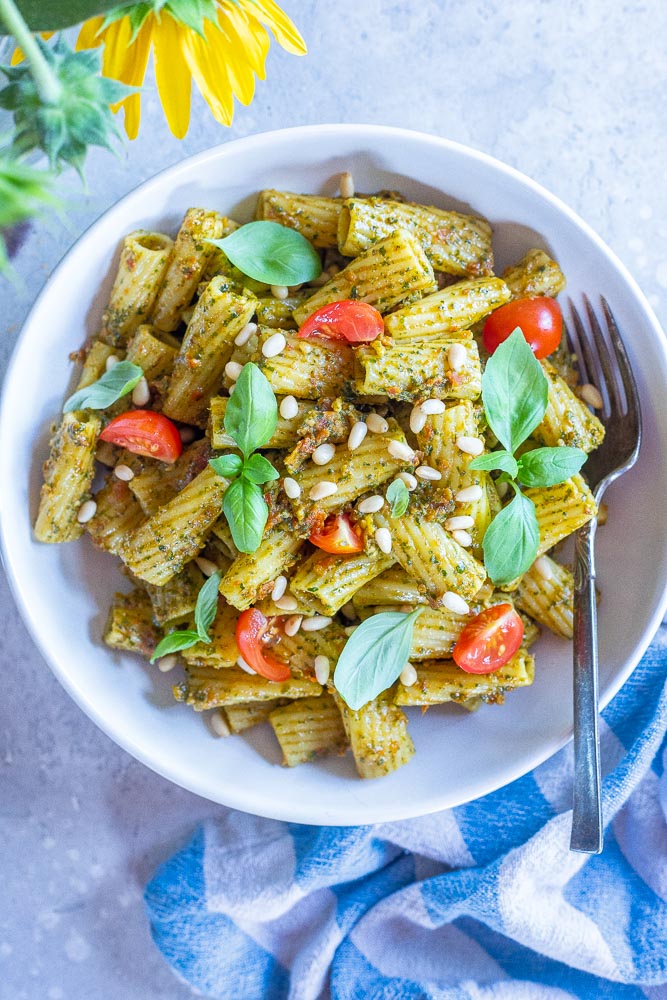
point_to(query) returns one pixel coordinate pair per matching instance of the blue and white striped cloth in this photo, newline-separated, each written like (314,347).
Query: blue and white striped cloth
(482,902)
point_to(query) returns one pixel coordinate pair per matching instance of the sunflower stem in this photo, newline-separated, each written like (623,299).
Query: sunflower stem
(47,83)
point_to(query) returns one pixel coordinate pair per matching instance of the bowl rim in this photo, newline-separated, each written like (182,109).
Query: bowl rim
(237,796)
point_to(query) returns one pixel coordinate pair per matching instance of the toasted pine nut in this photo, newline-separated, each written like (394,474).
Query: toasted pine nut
(455,604)
(543,567)
(426,472)
(123,472)
(292,488)
(403,452)
(322,669)
(350,629)
(460,521)
(279,588)
(289,408)
(417,420)
(464,538)
(279,291)
(456,356)
(322,490)
(357,435)
(383,540)
(371,505)
(167,663)
(433,406)
(246,333)
(86,511)
(348,611)
(186,434)
(346,185)
(324,454)
(219,725)
(233,369)
(141,394)
(287,603)
(376,424)
(274,346)
(315,623)
(111,362)
(591,395)
(207,566)
(292,625)
(409,480)
(469,494)
(408,675)
(470,445)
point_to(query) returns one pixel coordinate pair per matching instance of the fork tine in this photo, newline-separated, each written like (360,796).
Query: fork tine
(625,371)
(591,369)
(609,369)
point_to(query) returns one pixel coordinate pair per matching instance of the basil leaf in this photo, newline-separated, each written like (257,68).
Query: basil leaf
(206,606)
(247,513)
(228,466)
(114,384)
(500,459)
(374,656)
(173,642)
(252,412)
(511,540)
(259,470)
(514,391)
(271,253)
(549,466)
(398,497)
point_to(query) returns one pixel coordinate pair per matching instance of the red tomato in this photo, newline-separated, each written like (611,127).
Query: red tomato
(540,320)
(355,322)
(337,535)
(250,629)
(145,433)
(489,640)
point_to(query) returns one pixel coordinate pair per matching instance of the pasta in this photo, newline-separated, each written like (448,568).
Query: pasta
(303,466)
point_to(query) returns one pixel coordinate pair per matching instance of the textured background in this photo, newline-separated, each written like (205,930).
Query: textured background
(573,94)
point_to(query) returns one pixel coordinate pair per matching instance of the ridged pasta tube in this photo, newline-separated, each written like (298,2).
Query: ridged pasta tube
(306,368)
(130,624)
(535,274)
(452,310)
(561,510)
(68,475)
(331,581)
(308,728)
(378,735)
(411,370)
(567,420)
(247,578)
(439,681)
(118,514)
(144,258)
(206,687)
(284,435)
(546,593)
(313,216)
(152,354)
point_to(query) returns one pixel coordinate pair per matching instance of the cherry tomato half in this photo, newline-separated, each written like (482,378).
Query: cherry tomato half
(489,640)
(337,535)
(250,629)
(355,322)
(145,433)
(540,320)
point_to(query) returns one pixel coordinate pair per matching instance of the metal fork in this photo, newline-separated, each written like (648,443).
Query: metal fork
(603,361)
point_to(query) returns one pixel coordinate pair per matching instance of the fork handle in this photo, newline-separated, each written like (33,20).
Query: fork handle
(586,833)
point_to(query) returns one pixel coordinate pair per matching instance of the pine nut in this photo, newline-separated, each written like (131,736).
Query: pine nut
(240,662)
(469,494)
(460,521)
(409,480)
(543,567)
(249,330)
(470,445)
(403,452)
(279,588)
(274,346)
(167,663)
(294,288)
(455,604)
(231,388)
(233,369)
(376,424)
(417,420)
(292,625)
(287,603)
(457,357)
(322,490)
(186,434)
(86,511)
(426,472)
(349,611)
(591,395)
(371,505)
(141,394)
(207,566)
(502,488)
(279,291)
(315,623)
(346,185)
(430,406)
(350,629)
(219,725)
(292,488)
(324,454)
(357,435)
(464,538)
(322,669)
(408,675)
(289,408)
(111,362)
(383,540)
(123,472)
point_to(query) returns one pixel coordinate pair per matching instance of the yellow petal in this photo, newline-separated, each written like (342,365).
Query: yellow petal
(123,61)
(172,75)
(248,36)
(209,72)
(132,108)
(89,36)
(233,48)
(285,31)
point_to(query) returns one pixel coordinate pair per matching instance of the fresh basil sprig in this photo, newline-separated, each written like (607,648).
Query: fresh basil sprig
(398,497)
(114,384)
(374,656)
(269,252)
(515,398)
(205,609)
(250,419)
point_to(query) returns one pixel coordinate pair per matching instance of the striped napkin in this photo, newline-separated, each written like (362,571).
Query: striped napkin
(481,902)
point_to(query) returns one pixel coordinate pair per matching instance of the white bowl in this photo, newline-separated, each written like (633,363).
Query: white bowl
(64,591)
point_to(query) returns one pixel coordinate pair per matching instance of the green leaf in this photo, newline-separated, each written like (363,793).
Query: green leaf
(247,513)
(549,466)
(271,253)
(514,391)
(259,470)
(193,12)
(398,497)
(374,656)
(228,466)
(252,412)
(113,385)
(500,459)
(56,14)
(207,605)
(511,540)
(173,642)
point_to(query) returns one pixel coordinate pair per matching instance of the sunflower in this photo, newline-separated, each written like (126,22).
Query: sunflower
(223,46)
